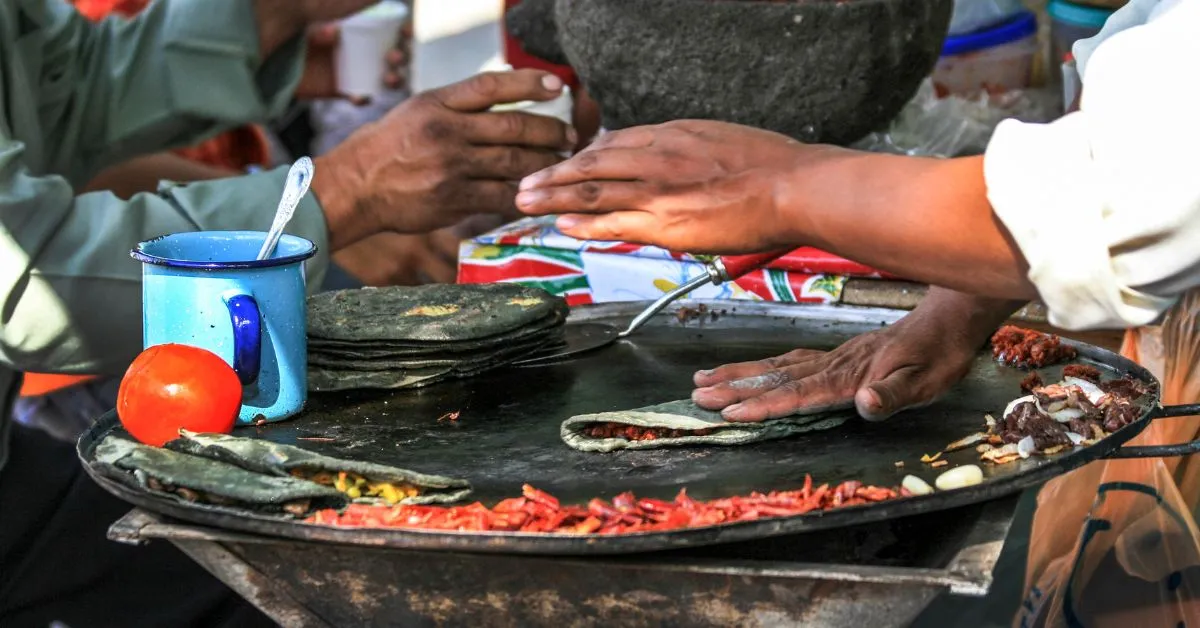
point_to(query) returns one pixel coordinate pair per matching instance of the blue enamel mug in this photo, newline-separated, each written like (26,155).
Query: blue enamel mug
(205,289)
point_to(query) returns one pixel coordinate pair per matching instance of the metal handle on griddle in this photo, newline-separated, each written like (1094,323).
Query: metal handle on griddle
(1163,451)
(717,272)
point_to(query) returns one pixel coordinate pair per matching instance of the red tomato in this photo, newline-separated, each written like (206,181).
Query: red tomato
(169,387)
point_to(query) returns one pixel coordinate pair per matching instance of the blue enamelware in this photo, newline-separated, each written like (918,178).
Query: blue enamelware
(205,289)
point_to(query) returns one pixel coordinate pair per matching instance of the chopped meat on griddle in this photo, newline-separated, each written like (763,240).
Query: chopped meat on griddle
(1082,371)
(1016,424)
(636,433)
(1026,348)
(1057,410)
(1119,414)
(1031,381)
(1126,387)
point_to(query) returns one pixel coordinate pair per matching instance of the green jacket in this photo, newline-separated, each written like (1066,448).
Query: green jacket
(76,97)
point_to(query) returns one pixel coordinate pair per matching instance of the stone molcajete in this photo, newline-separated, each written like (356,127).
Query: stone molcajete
(827,71)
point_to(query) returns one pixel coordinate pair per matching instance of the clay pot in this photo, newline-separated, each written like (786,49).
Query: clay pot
(826,71)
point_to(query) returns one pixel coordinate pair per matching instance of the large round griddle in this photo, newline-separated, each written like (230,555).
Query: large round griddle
(507,434)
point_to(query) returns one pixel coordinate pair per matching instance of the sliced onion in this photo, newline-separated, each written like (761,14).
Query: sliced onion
(1026,447)
(966,441)
(1055,406)
(1066,414)
(1012,405)
(1090,390)
(916,485)
(959,477)
(1000,452)
(1075,438)
(989,420)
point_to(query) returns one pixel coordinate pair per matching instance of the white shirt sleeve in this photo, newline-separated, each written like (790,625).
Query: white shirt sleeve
(1104,203)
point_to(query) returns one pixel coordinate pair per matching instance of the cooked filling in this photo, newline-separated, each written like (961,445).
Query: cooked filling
(299,507)
(1050,418)
(1025,348)
(356,486)
(637,433)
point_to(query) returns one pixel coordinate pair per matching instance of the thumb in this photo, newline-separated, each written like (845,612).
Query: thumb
(324,35)
(881,399)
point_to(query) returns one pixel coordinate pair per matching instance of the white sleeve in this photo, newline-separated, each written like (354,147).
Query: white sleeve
(1105,203)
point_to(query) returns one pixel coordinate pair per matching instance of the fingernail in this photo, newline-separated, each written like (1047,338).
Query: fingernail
(566,222)
(572,137)
(552,83)
(705,373)
(532,181)
(734,412)
(525,199)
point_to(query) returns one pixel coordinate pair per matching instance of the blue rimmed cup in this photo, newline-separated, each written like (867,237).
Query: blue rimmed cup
(205,289)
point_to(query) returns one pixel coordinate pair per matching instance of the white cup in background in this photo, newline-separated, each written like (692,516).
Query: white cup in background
(366,38)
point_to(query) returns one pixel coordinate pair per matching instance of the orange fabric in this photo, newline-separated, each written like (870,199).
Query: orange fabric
(40,384)
(1116,542)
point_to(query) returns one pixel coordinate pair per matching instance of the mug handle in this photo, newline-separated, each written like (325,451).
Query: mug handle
(247,336)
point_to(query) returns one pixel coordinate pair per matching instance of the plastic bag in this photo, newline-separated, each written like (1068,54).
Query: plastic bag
(973,15)
(1135,560)
(954,126)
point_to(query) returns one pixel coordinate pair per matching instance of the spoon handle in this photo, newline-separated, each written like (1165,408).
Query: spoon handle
(298,179)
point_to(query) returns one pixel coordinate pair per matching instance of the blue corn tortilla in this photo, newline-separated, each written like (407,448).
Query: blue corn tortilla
(686,415)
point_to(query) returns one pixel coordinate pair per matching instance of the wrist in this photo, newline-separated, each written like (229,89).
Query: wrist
(965,319)
(815,186)
(336,184)
(278,22)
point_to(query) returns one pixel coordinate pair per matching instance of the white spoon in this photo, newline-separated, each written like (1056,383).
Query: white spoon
(298,180)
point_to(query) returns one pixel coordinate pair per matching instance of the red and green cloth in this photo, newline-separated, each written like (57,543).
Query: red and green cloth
(532,252)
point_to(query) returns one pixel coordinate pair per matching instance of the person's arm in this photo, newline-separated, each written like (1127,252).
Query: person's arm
(177,73)
(1099,210)
(922,219)
(1103,204)
(72,293)
(143,174)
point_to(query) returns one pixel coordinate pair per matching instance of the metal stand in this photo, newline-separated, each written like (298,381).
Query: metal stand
(878,575)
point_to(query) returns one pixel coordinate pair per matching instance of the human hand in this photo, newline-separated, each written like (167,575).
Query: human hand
(880,373)
(696,186)
(439,157)
(280,20)
(395,259)
(320,76)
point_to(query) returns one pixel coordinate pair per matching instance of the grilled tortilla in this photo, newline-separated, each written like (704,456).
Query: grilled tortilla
(361,481)
(432,313)
(192,479)
(686,416)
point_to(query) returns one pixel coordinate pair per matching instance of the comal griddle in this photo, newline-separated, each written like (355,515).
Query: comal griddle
(507,434)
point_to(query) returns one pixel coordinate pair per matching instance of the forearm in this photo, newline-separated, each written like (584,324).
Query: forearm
(969,320)
(924,219)
(143,174)
(82,258)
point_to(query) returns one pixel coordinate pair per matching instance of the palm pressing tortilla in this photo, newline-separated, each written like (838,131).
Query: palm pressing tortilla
(678,423)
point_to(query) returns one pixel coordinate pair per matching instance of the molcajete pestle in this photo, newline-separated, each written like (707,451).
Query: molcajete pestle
(826,71)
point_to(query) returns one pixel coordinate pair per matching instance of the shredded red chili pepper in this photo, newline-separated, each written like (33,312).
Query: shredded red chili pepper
(636,433)
(538,511)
